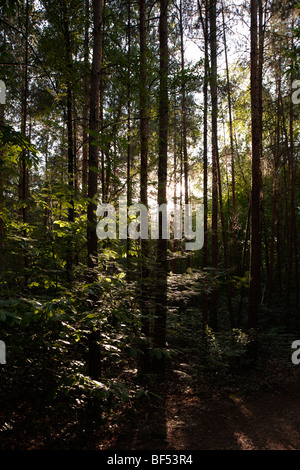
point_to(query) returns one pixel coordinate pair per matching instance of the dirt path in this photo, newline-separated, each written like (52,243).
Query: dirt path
(186,420)
(271,422)
(257,411)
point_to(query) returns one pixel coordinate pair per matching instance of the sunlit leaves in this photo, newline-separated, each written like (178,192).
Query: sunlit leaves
(9,137)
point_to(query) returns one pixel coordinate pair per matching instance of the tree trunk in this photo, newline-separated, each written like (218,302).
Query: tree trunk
(225,251)
(214,140)
(183,116)
(70,141)
(129,146)
(1,193)
(292,232)
(256,131)
(86,103)
(144,133)
(234,221)
(274,219)
(161,298)
(94,348)
(204,23)
(24,172)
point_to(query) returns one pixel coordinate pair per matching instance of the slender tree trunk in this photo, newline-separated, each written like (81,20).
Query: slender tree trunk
(225,251)
(94,337)
(70,175)
(144,135)
(23,186)
(243,263)
(204,23)
(102,152)
(183,115)
(274,220)
(234,218)
(86,102)
(68,51)
(214,141)
(292,232)
(47,182)
(24,172)
(175,242)
(144,119)
(129,146)
(2,220)
(161,298)
(286,198)
(256,130)
(1,193)
(183,108)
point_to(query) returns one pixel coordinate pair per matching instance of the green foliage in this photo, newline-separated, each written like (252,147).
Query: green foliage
(227,350)
(9,137)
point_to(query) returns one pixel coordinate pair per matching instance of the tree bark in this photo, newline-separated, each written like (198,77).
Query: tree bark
(129,146)
(70,153)
(86,103)
(1,193)
(204,23)
(292,231)
(214,142)
(234,218)
(161,298)
(256,132)
(144,135)
(183,116)
(24,172)
(274,219)
(94,337)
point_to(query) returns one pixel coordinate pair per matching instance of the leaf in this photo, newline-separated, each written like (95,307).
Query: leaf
(8,136)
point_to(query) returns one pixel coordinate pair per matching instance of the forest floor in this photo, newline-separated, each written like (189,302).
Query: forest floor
(261,414)
(255,410)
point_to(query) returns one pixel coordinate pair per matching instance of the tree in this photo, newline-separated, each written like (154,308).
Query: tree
(215,152)
(70,133)
(86,101)
(24,172)
(94,348)
(162,265)
(256,136)
(204,25)
(144,137)
(292,234)
(232,151)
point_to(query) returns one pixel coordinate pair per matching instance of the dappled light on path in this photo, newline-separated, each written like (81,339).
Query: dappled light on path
(268,422)
(191,418)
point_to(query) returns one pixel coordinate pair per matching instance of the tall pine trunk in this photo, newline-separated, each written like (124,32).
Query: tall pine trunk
(256,136)
(144,135)
(70,142)
(129,137)
(23,167)
(274,219)
(1,192)
(214,142)
(292,228)
(94,337)
(234,217)
(86,102)
(183,115)
(204,24)
(161,262)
